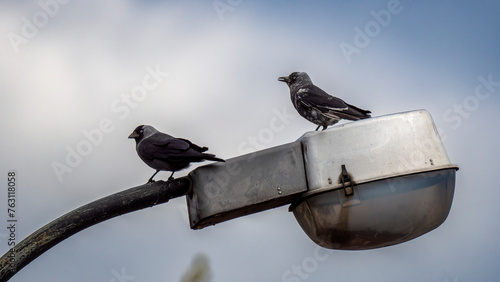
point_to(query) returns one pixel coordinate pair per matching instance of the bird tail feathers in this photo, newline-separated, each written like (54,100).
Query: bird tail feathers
(362,113)
(211,157)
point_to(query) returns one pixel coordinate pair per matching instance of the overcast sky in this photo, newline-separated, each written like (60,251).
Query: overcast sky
(209,70)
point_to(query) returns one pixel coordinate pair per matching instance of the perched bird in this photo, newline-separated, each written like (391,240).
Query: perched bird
(164,152)
(316,105)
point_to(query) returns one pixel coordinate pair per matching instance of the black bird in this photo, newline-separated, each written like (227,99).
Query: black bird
(316,105)
(164,152)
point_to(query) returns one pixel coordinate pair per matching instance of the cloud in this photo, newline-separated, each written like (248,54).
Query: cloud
(221,89)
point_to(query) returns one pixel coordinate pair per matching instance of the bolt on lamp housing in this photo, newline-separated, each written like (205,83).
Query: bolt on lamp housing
(360,185)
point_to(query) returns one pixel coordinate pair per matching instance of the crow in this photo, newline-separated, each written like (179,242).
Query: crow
(164,152)
(316,105)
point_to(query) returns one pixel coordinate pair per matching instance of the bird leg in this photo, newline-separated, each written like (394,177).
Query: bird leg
(151,178)
(171,176)
(318,128)
(324,127)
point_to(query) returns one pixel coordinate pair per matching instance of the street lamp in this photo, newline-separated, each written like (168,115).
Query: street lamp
(361,185)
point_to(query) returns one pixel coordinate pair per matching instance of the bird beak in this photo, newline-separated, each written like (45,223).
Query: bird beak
(284,79)
(133,135)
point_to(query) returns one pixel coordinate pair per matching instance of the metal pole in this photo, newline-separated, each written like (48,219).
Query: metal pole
(130,200)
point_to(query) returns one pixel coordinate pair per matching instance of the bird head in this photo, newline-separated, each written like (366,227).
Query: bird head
(296,79)
(141,132)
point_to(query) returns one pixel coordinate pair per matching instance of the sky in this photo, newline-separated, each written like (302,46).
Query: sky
(76,77)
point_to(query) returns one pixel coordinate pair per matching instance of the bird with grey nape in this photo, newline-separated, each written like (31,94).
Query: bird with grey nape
(316,105)
(164,152)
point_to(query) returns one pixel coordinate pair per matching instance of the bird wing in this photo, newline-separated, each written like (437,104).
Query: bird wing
(194,146)
(165,147)
(315,98)
(161,145)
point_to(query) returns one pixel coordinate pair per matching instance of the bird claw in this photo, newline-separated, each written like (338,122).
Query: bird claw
(151,181)
(170,179)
